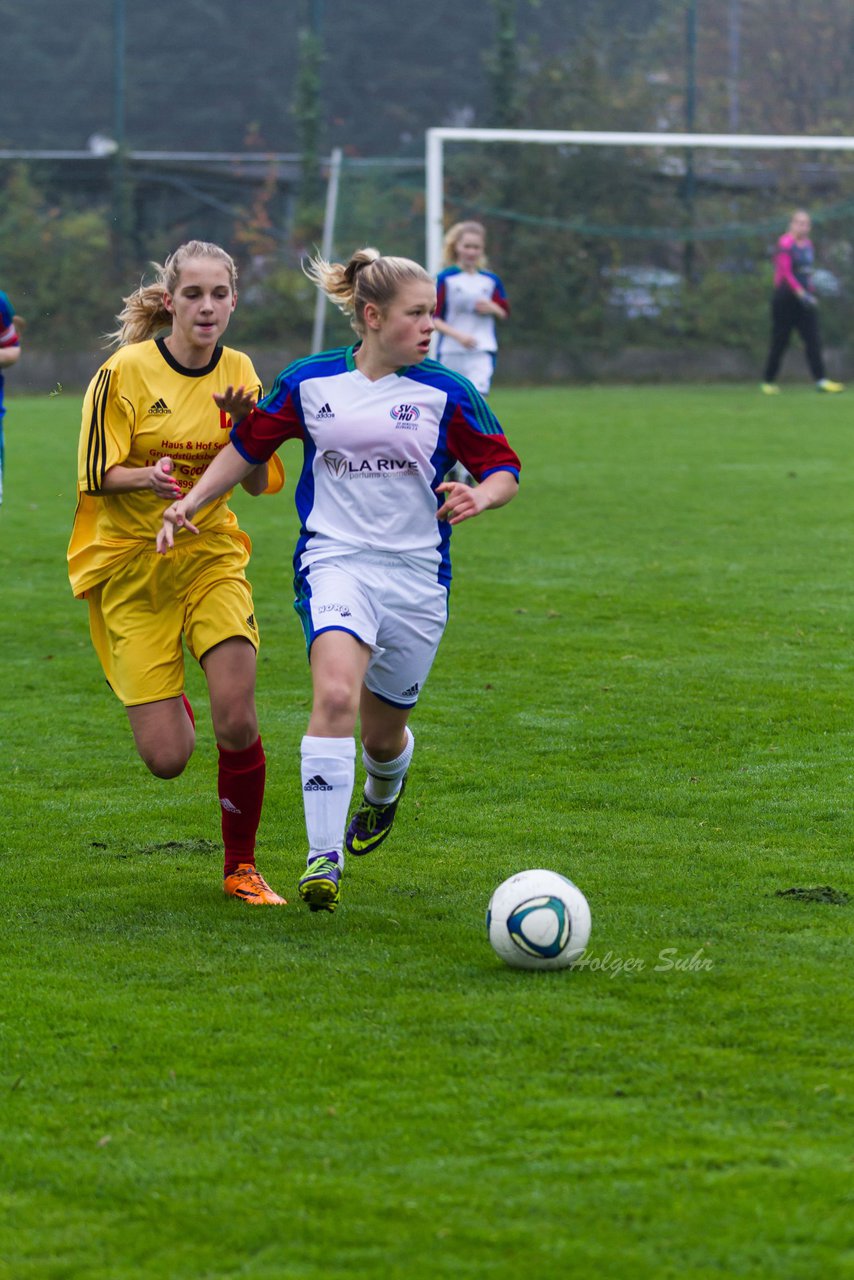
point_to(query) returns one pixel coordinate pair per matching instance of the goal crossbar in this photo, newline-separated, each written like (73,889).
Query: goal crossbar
(436,139)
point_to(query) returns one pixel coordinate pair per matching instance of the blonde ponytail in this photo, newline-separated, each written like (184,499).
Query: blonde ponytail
(367,277)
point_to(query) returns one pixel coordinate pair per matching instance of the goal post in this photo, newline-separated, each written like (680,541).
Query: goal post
(436,138)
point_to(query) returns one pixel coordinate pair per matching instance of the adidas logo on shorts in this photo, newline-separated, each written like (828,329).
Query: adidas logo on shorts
(411,691)
(317,784)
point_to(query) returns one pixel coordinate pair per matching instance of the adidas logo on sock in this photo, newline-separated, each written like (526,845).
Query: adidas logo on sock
(159,408)
(317,784)
(325,411)
(228,806)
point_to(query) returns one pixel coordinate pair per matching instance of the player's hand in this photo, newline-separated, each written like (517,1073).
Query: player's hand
(461,501)
(174,518)
(468,342)
(237,402)
(809,300)
(162,482)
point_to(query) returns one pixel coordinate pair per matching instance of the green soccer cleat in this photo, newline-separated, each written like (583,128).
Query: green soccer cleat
(769,388)
(830,388)
(320,887)
(371,823)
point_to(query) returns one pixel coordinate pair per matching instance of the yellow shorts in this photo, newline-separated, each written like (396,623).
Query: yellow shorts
(137,618)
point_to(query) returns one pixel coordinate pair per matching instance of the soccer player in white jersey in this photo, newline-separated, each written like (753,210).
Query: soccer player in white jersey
(469,301)
(380,424)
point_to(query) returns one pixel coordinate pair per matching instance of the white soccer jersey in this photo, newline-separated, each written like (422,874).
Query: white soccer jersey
(373,454)
(457,292)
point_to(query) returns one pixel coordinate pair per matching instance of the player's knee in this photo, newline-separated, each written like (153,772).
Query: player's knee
(165,760)
(235,726)
(384,744)
(337,703)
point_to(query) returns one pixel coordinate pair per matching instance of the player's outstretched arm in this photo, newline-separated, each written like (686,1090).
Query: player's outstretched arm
(462,501)
(237,402)
(257,480)
(227,469)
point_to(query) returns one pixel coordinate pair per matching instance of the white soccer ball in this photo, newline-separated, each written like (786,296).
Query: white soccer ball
(538,920)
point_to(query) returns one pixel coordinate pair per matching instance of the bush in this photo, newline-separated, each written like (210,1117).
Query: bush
(55,264)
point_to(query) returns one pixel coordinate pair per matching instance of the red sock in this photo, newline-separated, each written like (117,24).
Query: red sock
(189,709)
(240,784)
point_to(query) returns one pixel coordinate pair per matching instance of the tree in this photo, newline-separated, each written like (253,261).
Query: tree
(52,261)
(308,112)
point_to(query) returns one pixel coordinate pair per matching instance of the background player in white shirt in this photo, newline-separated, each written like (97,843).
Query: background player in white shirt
(380,424)
(469,300)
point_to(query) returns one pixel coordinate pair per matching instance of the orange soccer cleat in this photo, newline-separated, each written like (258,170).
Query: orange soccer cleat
(248,884)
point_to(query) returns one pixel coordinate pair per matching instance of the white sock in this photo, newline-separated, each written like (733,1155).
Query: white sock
(385,777)
(328,772)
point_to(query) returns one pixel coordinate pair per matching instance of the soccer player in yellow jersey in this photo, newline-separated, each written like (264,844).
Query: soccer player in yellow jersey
(151,427)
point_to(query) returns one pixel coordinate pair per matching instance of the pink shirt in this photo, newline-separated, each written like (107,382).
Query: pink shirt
(793,263)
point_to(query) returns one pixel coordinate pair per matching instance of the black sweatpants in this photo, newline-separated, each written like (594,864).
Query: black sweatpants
(788,313)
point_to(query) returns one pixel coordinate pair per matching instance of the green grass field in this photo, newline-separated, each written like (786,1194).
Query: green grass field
(646,685)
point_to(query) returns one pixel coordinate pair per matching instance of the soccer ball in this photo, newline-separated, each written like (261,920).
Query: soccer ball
(538,920)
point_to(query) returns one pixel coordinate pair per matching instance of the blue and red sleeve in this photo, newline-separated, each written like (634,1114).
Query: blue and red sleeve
(259,435)
(499,296)
(441,296)
(481,446)
(8,332)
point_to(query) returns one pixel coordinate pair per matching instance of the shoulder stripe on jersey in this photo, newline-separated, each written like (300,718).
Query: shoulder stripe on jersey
(322,357)
(96,448)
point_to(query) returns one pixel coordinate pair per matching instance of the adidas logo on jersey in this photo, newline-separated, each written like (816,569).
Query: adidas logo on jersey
(159,408)
(317,784)
(325,411)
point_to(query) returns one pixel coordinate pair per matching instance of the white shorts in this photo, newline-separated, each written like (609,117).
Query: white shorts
(477,366)
(395,609)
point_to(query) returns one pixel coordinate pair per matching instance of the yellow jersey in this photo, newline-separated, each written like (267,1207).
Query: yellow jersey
(141,406)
